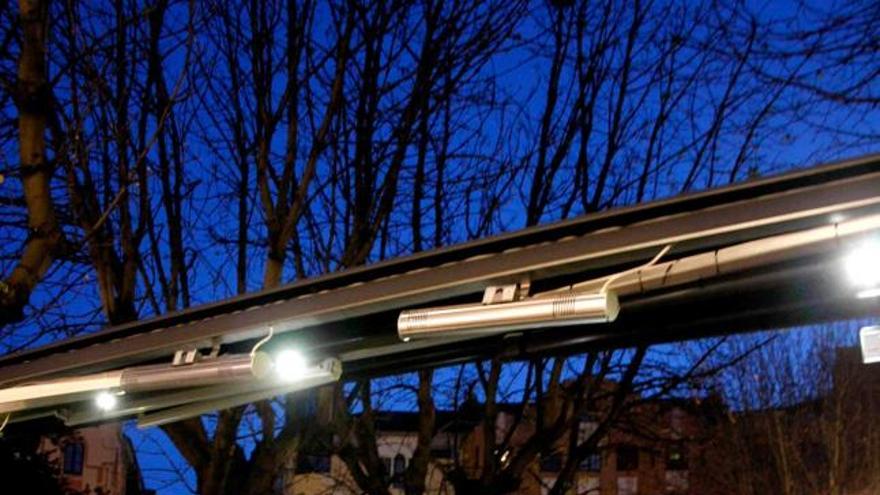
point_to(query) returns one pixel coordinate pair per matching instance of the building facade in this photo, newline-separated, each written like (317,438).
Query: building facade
(624,463)
(97,460)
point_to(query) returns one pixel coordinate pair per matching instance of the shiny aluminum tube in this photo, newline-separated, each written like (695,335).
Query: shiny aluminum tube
(475,320)
(214,371)
(328,371)
(219,370)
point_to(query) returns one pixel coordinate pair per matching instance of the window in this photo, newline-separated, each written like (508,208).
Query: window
(676,460)
(588,486)
(399,464)
(627,485)
(441,453)
(74,454)
(547,484)
(387,462)
(313,464)
(627,458)
(551,463)
(585,430)
(677,482)
(592,462)
(398,471)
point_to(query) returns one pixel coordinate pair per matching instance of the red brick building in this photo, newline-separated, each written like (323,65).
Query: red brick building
(652,452)
(97,460)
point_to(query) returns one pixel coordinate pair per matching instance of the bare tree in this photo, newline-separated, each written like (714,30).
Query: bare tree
(33,100)
(379,79)
(642,99)
(341,133)
(802,418)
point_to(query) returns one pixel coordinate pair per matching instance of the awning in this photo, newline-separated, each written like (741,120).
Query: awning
(791,220)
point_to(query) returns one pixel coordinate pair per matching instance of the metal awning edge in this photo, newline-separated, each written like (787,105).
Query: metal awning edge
(850,191)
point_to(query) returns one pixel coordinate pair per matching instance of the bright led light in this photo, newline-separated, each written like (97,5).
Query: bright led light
(862,265)
(290,365)
(105,401)
(868,293)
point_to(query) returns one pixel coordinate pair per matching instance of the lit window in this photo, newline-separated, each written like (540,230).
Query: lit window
(585,430)
(588,485)
(74,454)
(627,485)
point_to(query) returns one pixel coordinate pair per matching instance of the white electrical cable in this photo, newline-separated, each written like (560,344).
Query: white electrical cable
(263,341)
(5,420)
(617,275)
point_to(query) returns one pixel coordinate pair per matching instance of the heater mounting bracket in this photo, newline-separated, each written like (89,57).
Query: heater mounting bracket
(186,356)
(215,347)
(496,294)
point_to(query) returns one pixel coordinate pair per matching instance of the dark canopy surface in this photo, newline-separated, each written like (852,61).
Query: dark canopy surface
(352,314)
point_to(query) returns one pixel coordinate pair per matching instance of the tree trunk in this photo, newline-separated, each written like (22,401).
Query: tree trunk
(44,236)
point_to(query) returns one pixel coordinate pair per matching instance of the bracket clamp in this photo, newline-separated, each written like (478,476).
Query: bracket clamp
(497,294)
